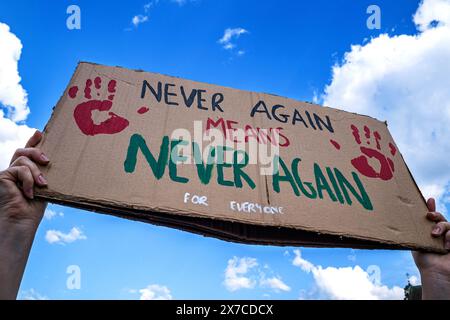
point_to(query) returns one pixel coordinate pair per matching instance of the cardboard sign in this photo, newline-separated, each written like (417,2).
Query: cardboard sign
(232,164)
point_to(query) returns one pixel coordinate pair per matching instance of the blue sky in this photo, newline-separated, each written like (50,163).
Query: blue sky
(289,49)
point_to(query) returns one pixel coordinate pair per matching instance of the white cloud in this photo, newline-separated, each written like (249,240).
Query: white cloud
(143,17)
(302,263)
(230,34)
(13,97)
(12,136)
(229,46)
(147,7)
(236,273)
(56,236)
(346,283)
(246,273)
(432,11)
(150,5)
(49,214)
(31,294)
(413,280)
(155,292)
(405,80)
(274,283)
(138,19)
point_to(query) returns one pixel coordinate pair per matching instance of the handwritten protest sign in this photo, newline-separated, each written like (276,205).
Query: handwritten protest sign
(237,165)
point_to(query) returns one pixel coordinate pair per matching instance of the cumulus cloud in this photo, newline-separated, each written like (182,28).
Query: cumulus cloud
(236,273)
(347,283)
(56,236)
(431,13)
(13,97)
(150,5)
(303,264)
(144,16)
(49,214)
(229,35)
(404,79)
(12,136)
(246,273)
(155,292)
(413,280)
(138,19)
(274,283)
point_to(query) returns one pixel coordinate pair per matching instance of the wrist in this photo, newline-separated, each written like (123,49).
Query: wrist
(435,284)
(436,268)
(19,219)
(16,240)
(19,232)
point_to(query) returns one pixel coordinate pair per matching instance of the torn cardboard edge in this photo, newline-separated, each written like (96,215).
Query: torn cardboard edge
(229,230)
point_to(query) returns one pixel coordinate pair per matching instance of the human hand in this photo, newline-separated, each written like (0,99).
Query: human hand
(20,213)
(435,268)
(17,204)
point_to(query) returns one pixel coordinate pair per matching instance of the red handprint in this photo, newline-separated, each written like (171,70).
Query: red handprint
(83,111)
(361,163)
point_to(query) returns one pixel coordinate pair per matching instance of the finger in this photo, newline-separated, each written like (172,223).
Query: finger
(440,228)
(435,216)
(34,140)
(431,204)
(23,175)
(33,153)
(447,240)
(37,174)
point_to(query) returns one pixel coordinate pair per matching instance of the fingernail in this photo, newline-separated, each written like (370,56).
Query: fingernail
(41,179)
(30,193)
(447,245)
(436,230)
(44,158)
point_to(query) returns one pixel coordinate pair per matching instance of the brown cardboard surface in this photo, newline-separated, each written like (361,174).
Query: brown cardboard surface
(342,181)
